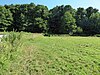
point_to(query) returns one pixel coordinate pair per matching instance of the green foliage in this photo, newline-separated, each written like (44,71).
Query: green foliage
(97,35)
(5,18)
(68,23)
(95,19)
(38,19)
(90,11)
(9,50)
(40,25)
(12,39)
(55,18)
(79,30)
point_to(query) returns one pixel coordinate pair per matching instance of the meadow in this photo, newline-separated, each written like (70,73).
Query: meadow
(55,55)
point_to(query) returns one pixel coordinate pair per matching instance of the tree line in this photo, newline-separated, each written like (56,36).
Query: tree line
(59,20)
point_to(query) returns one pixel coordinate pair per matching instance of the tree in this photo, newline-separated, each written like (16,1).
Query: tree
(5,18)
(22,22)
(41,11)
(68,24)
(87,26)
(90,11)
(82,20)
(56,14)
(60,19)
(55,19)
(95,23)
(38,14)
(15,10)
(80,16)
(29,17)
(40,25)
(68,8)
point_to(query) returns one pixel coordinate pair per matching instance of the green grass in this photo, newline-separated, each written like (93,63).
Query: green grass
(56,56)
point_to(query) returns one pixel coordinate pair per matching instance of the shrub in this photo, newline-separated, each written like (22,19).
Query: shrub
(97,35)
(46,34)
(13,40)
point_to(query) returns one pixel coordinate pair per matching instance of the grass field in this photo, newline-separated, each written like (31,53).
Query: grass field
(41,55)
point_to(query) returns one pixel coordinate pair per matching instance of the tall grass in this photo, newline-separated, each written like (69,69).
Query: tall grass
(9,49)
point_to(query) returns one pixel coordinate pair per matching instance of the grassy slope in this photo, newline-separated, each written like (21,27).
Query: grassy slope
(64,55)
(58,56)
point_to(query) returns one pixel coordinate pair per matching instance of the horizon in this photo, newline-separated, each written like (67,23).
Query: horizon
(51,4)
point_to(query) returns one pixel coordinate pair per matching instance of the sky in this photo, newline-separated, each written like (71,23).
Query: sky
(52,3)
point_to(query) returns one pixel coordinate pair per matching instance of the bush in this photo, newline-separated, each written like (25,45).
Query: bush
(13,40)
(97,35)
(46,34)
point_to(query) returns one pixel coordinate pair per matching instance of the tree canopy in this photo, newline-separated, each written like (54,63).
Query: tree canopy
(59,20)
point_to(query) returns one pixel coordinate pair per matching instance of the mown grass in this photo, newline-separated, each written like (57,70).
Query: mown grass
(55,56)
